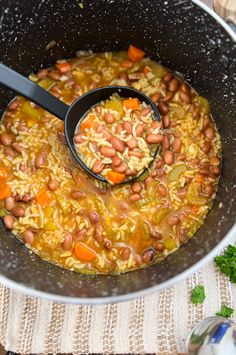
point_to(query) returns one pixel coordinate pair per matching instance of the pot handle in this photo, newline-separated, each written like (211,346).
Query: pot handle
(25,87)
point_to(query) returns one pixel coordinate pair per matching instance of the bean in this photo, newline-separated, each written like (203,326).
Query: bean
(156,124)
(42,74)
(169,157)
(8,123)
(206,147)
(78,138)
(9,203)
(155,234)
(181,193)
(108,117)
(135,153)
(53,185)
(125,254)
(54,75)
(148,255)
(116,161)
(156,97)
(16,146)
(185,88)
(205,164)
(215,170)
(67,243)
(159,246)
(208,190)
(99,128)
(154,173)
(98,234)
(167,77)
(210,133)
(39,160)
(138,259)
(117,144)
(28,236)
(180,157)
(132,143)
(160,172)
(177,145)
(163,85)
(187,180)
(18,211)
(134,197)
(172,220)
(23,167)
(120,168)
(136,187)
(81,235)
(159,163)
(106,134)
(206,121)
(145,111)
(119,128)
(124,75)
(124,206)
(108,152)
(77,194)
(26,198)
(9,221)
(98,166)
(22,127)
(61,137)
(166,121)
(205,172)
(168,96)
(9,151)
(6,139)
(148,180)
(94,217)
(108,245)
(154,138)
(139,130)
(173,85)
(163,108)
(127,127)
(215,161)
(185,97)
(161,189)
(165,142)
(17,198)
(14,105)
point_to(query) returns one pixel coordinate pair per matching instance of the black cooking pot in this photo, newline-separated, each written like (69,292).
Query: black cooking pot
(185,38)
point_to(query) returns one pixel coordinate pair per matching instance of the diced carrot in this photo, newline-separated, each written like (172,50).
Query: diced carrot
(132,104)
(194,209)
(63,67)
(88,123)
(5,190)
(84,253)
(127,64)
(199,178)
(146,70)
(61,128)
(42,197)
(135,54)
(3,172)
(114,177)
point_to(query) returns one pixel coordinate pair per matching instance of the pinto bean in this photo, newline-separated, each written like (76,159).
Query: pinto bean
(18,211)
(9,203)
(42,74)
(145,111)
(168,96)
(119,128)
(28,236)
(135,153)
(106,134)
(99,128)
(118,144)
(134,197)
(166,121)
(177,145)
(154,138)
(163,108)
(16,146)
(108,117)
(215,170)
(148,255)
(154,173)
(159,246)
(185,97)
(94,217)
(9,221)
(161,189)
(169,157)
(23,167)
(98,166)
(165,142)
(156,97)
(39,160)
(172,220)
(98,234)
(108,245)
(78,138)
(67,243)
(136,187)
(163,85)
(168,77)
(181,193)
(210,133)
(22,127)
(124,206)
(148,180)
(108,152)
(184,87)
(125,254)
(55,75)
(180,157)
(81,235)
(53,185)
(127,127)
(14,105)
(132,143)
(9,151)
(215,161)
(116,161)
(26,198)
(156,124)
(6,139)
(159,163)
(209,190)
(77,194)
(120,168)
(206,147)
(173,85)
(139,130)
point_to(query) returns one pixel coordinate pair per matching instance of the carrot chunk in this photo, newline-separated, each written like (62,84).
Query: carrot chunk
(3,172)
(42,197)
(114,177)
(132,104)
(5,190)
(88,123)
(84,253)
(63,67)
(146,70)
(135,54)
(127,64)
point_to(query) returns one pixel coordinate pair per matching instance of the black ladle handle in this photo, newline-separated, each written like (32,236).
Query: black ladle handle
(32,91)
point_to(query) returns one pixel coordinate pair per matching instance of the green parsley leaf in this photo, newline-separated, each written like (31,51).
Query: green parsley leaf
(198,294)
(227,262)
(225,311)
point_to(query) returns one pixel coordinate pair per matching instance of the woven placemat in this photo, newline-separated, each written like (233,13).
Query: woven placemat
(159,323)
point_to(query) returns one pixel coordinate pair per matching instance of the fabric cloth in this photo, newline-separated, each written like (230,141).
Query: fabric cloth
(159,323)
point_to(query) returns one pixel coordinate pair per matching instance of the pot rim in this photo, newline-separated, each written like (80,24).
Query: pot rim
(147,291)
